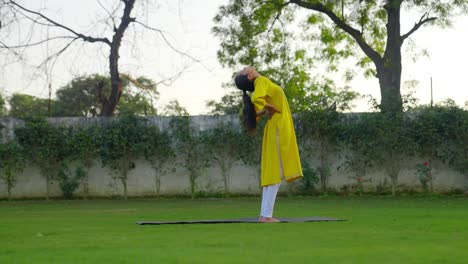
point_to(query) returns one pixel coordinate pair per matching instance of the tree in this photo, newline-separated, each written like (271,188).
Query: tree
(275,55)
(79,97)
(336,28)
(136,104)
(24,105)
(17,13)
(175,109)
(230,104)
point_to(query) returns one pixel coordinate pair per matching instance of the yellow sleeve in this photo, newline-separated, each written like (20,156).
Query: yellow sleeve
(260,93)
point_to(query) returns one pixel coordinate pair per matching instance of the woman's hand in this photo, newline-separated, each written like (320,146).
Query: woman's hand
(271,110)
(261,112)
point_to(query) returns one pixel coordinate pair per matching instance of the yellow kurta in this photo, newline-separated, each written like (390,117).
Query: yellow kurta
(279,128)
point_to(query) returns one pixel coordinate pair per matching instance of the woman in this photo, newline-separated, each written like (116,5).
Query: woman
(280,155)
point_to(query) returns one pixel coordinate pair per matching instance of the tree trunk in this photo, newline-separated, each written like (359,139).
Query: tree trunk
(109,105)
(465,169)
(431,188)
(192,184)
(124,184)
(86,187)
(86,184)
(393,186)
(324,168)
(47,187)
(124,177)
(392,167)
(9,182)
(125,189)
(224,172)
(323,181)
(389,70)
(389,82)
(158,183)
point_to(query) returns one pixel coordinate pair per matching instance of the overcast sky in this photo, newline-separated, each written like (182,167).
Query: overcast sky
(189,23)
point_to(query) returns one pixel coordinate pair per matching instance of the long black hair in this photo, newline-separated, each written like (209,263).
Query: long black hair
(248,112)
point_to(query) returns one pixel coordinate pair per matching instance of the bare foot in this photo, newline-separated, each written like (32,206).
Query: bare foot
(268,220)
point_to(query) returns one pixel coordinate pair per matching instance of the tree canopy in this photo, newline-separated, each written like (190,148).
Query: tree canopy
(277,32)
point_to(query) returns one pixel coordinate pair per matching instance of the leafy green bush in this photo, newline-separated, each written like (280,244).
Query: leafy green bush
(249,148)
(121,145)
(310,178)
(222,145)
(191,149)
(423,171)
(46,147)
(370,141)
(318,137)
(156,146)
(69,182)
(11,162)
(84,149)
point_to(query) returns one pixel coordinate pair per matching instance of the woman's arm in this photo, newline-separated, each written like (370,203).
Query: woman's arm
(269,109)
(261,112)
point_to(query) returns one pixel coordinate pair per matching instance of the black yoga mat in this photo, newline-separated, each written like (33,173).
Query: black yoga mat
(239,221)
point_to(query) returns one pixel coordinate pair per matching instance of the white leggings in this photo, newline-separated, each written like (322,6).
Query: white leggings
(270,191)
(268,200)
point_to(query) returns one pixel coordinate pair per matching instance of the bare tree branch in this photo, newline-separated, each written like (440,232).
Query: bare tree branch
(168,81)
(119,23)
(424,19)
(111,15)
(135,82)
(38,43)
(58,53)
(277,17)
(356,34)
(56,24)
(161,33)
(10,49)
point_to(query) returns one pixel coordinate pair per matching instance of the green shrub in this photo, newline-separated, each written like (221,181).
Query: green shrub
(310,178)
(121,145)
(11,162)
(191,149)
(69,182)
(46,147)
(156,146)
(222,145)
(84,150)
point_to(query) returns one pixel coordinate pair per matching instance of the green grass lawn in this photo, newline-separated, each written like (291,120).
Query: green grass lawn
(378,230)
